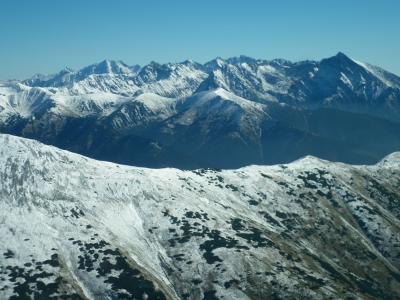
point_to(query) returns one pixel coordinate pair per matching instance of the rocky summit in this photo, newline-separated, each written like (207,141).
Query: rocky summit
(77,228)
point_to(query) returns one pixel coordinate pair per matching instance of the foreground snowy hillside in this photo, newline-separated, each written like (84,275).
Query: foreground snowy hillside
(76,228)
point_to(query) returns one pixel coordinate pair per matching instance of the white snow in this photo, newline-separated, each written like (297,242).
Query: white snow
(40,185)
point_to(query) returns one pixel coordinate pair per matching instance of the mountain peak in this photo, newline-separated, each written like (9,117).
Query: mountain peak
(107,66)
(67,70)
(111,66)
(340,60)
(343,57)
(341,54)
(241,59)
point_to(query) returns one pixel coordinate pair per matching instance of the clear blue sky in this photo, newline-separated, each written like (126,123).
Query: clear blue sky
(44,36)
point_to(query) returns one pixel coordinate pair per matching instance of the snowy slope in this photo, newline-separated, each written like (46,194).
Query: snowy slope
(141,111)
(78,228)
(18,100)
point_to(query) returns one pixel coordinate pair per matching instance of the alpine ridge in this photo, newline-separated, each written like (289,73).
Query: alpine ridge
(77,228)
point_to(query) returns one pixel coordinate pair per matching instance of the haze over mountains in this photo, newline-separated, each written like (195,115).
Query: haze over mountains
(224,113)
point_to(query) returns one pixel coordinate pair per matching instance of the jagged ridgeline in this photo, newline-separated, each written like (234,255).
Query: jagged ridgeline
(222,114)
(76,228)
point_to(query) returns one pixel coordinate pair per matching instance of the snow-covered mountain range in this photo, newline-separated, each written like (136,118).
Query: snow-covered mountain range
(76,228)
(258,108)
(338,81)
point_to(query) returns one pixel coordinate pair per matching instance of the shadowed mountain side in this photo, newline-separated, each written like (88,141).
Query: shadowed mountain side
(234,137)
(215,141)
(280,143)
(283,144)
(214,129)
(79,135)
(376,135)
(134,150)
(92,138)
(221,146)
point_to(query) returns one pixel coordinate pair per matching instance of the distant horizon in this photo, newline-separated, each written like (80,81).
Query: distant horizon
(44,37)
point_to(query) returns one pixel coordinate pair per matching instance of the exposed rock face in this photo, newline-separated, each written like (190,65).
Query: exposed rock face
(76,228)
